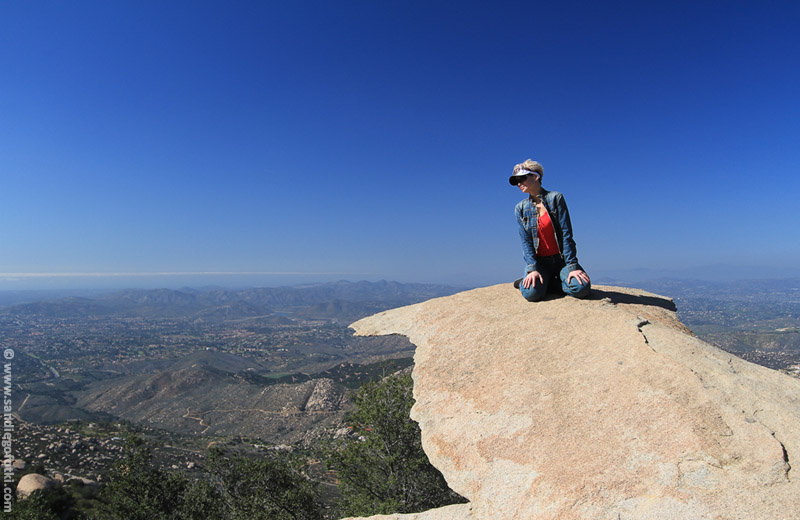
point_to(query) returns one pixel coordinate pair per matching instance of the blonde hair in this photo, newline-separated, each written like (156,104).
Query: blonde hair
(529,165)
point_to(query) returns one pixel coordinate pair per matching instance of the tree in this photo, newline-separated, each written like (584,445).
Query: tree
(383,468)
(238,488)
(203,501)
(138,491)
(38,506)
(50,503)
(269,488)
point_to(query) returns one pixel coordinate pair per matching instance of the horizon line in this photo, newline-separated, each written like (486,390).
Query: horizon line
(172,273)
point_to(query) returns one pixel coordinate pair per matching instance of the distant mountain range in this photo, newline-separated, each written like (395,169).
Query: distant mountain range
(769,289)
(342,299)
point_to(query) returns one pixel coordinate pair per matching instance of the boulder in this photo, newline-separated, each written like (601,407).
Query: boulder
(31,482)
(326,396)
(84,481)
(605,408)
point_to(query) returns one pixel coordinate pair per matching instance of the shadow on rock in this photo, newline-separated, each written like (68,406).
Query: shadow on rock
(637,299)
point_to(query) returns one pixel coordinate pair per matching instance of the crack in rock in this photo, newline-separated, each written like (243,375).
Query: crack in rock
(785,458)
(641,323)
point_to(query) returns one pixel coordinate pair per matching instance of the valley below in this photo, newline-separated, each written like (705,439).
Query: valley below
(265,368)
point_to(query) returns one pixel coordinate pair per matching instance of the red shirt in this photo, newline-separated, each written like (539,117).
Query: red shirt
(547,236)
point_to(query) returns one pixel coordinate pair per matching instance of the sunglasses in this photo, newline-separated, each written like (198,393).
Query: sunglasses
(521,178)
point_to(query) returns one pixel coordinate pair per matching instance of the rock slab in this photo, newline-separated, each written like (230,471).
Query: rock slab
(606,408)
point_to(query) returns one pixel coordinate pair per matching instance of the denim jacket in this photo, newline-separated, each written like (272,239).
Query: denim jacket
(559,214)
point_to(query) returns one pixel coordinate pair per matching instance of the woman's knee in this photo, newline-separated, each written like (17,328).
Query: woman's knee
(577,289)
(574,287)
(533,294)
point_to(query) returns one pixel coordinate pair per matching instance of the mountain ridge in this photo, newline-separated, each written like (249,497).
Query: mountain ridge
(233,303)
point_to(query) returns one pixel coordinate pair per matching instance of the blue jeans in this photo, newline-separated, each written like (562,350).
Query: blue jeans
(552,269)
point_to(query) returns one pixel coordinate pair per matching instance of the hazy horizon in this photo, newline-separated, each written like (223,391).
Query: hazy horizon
(117,281)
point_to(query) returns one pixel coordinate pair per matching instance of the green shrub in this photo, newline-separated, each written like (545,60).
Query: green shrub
(382,468)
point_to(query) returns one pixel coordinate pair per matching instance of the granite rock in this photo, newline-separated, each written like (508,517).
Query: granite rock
(605,408)
(32,482)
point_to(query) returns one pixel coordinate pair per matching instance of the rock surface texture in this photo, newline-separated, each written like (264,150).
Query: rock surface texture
(606,408)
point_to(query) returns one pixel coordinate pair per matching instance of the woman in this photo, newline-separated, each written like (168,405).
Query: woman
(546,232)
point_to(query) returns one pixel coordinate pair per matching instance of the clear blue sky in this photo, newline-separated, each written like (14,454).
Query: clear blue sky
(373,139)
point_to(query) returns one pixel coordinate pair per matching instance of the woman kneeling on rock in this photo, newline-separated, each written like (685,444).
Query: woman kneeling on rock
(546,232)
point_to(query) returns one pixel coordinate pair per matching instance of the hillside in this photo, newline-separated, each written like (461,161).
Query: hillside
(201,399)
(218,394)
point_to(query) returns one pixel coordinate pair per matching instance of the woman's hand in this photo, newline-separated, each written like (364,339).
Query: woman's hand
(530,279)
(580,275)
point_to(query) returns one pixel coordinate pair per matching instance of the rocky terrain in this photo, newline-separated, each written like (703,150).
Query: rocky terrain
(87,450)
(607,408)
(204,400)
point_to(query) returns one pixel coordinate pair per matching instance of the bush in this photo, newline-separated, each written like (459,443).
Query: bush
(137,491)
(40,505)
(383,469)
(268,488)
(238,488)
